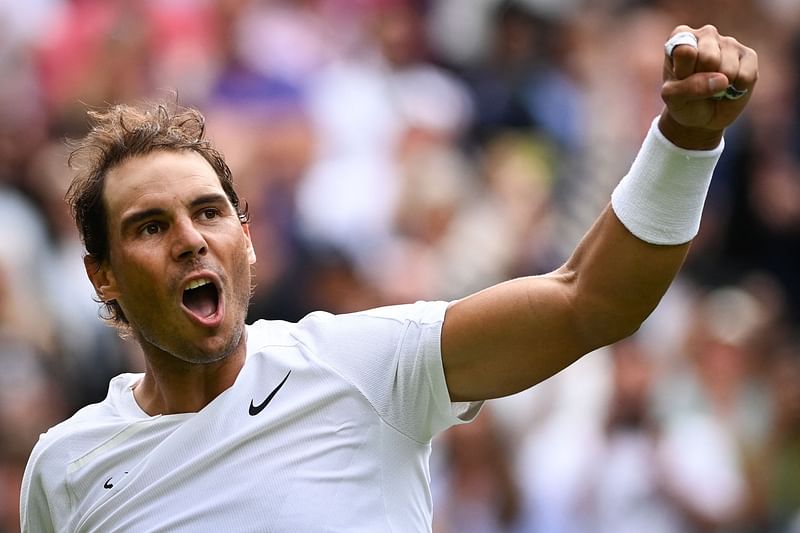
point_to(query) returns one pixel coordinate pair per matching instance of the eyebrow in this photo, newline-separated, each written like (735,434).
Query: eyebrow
(210,198)
(140,216)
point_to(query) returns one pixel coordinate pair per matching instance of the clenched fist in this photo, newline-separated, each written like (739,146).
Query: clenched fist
(693,75)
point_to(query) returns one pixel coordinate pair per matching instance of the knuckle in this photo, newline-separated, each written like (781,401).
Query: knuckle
(683,28)
(709,28)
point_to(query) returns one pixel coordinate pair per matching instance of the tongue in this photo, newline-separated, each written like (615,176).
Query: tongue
(201,301)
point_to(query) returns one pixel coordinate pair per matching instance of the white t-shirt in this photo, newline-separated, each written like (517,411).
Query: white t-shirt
(326,428)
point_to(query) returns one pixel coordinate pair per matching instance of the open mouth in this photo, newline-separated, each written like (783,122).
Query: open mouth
(201,298)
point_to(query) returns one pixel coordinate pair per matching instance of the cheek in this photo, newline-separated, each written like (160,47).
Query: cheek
(138,275)
(242,273)
(244,270)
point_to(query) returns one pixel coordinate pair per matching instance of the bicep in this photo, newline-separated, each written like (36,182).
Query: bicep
(510,337)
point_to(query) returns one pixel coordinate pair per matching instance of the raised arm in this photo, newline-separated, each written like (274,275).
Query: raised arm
(511,336)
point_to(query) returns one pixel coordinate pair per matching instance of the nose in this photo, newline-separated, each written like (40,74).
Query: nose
(188,242)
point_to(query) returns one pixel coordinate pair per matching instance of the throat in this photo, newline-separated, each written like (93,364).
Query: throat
(173,387)
(203,301)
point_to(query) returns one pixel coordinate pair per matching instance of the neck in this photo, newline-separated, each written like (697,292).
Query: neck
(171,385)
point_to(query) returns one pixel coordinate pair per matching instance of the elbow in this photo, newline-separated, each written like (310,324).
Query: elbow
(624,330)
(603,316)
(604,331)
(602,323)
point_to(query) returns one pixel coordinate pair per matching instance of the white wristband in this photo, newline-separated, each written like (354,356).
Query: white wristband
(661,198)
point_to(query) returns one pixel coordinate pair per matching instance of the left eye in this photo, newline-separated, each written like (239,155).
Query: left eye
(208,214)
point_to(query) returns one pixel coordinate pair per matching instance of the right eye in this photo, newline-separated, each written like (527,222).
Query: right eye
(151,228)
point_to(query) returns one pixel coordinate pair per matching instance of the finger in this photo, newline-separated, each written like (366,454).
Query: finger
(748,69)
(730,51)
(696,87)
(740,65)
(684,61)
(709,55)
(681,52)
(729,64)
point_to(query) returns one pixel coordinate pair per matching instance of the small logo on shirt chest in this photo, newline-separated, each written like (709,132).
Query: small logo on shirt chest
(108,484)
(255,409)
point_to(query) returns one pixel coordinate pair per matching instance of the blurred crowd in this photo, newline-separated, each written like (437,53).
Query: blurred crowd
(398,150)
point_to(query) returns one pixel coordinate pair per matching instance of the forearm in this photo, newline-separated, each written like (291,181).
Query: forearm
(625,263)
(617,280)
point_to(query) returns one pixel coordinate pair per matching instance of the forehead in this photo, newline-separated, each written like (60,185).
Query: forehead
(161,179)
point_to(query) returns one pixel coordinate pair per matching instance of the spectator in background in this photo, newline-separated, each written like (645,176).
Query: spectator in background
(524,83)
(721,378)
(776,466)
(634,479)
(371,110)
(628,472)
(476,490)
(445,211)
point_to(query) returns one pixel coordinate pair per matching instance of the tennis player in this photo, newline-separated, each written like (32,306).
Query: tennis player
(326,424)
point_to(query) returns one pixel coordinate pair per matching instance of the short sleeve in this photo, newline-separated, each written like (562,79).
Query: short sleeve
(34,509)
(392,355)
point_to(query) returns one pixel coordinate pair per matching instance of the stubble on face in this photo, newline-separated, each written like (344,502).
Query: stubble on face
(152,335)
(148,271)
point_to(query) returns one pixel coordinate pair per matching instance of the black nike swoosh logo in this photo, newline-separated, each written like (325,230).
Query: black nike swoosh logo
(255,409)
(108,484)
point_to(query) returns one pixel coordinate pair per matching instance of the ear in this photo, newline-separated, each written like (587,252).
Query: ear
(102,278)
(251,252)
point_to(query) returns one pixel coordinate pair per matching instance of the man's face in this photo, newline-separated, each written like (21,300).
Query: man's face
(179,258)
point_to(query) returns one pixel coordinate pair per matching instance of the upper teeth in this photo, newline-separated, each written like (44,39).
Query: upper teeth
(197,283)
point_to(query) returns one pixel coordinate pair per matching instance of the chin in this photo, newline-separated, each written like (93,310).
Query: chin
(202,359)
(216,348)
(196,350)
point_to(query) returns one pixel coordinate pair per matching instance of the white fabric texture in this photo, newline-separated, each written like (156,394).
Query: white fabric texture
(661,198)
(343,445)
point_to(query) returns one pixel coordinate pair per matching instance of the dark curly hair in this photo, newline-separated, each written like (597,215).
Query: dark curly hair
(116,135)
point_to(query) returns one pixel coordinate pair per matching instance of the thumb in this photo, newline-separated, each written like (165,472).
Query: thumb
(695,87)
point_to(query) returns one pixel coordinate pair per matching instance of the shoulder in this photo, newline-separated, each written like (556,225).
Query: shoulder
(353,345)
(374,320)
(45,500)
(422,312)
(45,479)
(63,441)
(372,325)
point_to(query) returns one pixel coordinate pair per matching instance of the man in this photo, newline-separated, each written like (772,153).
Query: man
(326,424)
